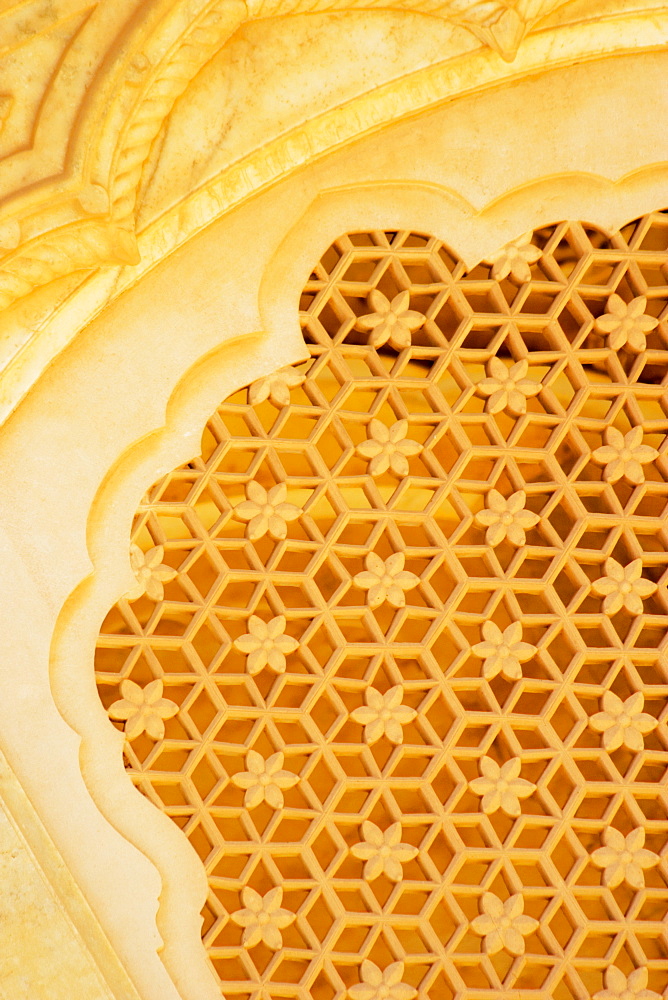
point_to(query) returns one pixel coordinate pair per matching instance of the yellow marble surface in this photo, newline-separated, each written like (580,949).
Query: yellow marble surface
(170,173)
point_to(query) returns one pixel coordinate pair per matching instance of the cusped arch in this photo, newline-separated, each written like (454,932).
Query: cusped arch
(190,403)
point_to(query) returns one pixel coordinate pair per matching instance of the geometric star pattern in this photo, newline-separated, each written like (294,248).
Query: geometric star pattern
(396,662)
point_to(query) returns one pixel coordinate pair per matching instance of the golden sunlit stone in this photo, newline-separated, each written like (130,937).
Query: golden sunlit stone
(274,693)
(406,626)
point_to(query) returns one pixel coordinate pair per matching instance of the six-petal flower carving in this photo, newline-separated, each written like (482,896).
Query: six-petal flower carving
(624,455)
(276,388)
(503,652)
(623,859)
(506,518)
(151,573)
(620,987)
(623,723)
(377,984)
(623,587)
(143,709)
(507,388)
(264,780)
(386,580)
(262,918)
(388,447)
(514,259)
(391,322)
(626,323)
(383,852)
(503,925)
(384,715)
(266,511)
(501,786)
(266,644)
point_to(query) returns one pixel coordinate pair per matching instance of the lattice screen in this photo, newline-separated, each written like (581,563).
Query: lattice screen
(396,658)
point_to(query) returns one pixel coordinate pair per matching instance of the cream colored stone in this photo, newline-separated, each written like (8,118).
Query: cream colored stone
(170,174)
(52,942)
(285,140)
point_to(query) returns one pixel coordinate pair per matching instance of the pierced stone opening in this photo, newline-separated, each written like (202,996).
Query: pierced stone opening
(395,661)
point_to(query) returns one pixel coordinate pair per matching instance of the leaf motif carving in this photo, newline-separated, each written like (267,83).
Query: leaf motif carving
(81,246)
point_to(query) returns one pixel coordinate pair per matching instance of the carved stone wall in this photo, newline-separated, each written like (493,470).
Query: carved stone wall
(394,656)
(170,174)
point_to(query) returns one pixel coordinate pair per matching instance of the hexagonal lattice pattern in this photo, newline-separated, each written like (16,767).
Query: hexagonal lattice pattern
(396,658)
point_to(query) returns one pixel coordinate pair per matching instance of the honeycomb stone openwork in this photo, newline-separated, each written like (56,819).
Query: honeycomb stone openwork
(395,661)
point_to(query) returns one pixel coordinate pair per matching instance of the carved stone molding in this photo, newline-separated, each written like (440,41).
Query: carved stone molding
(136,298)
(161,447)
(82,216)
(40,898)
